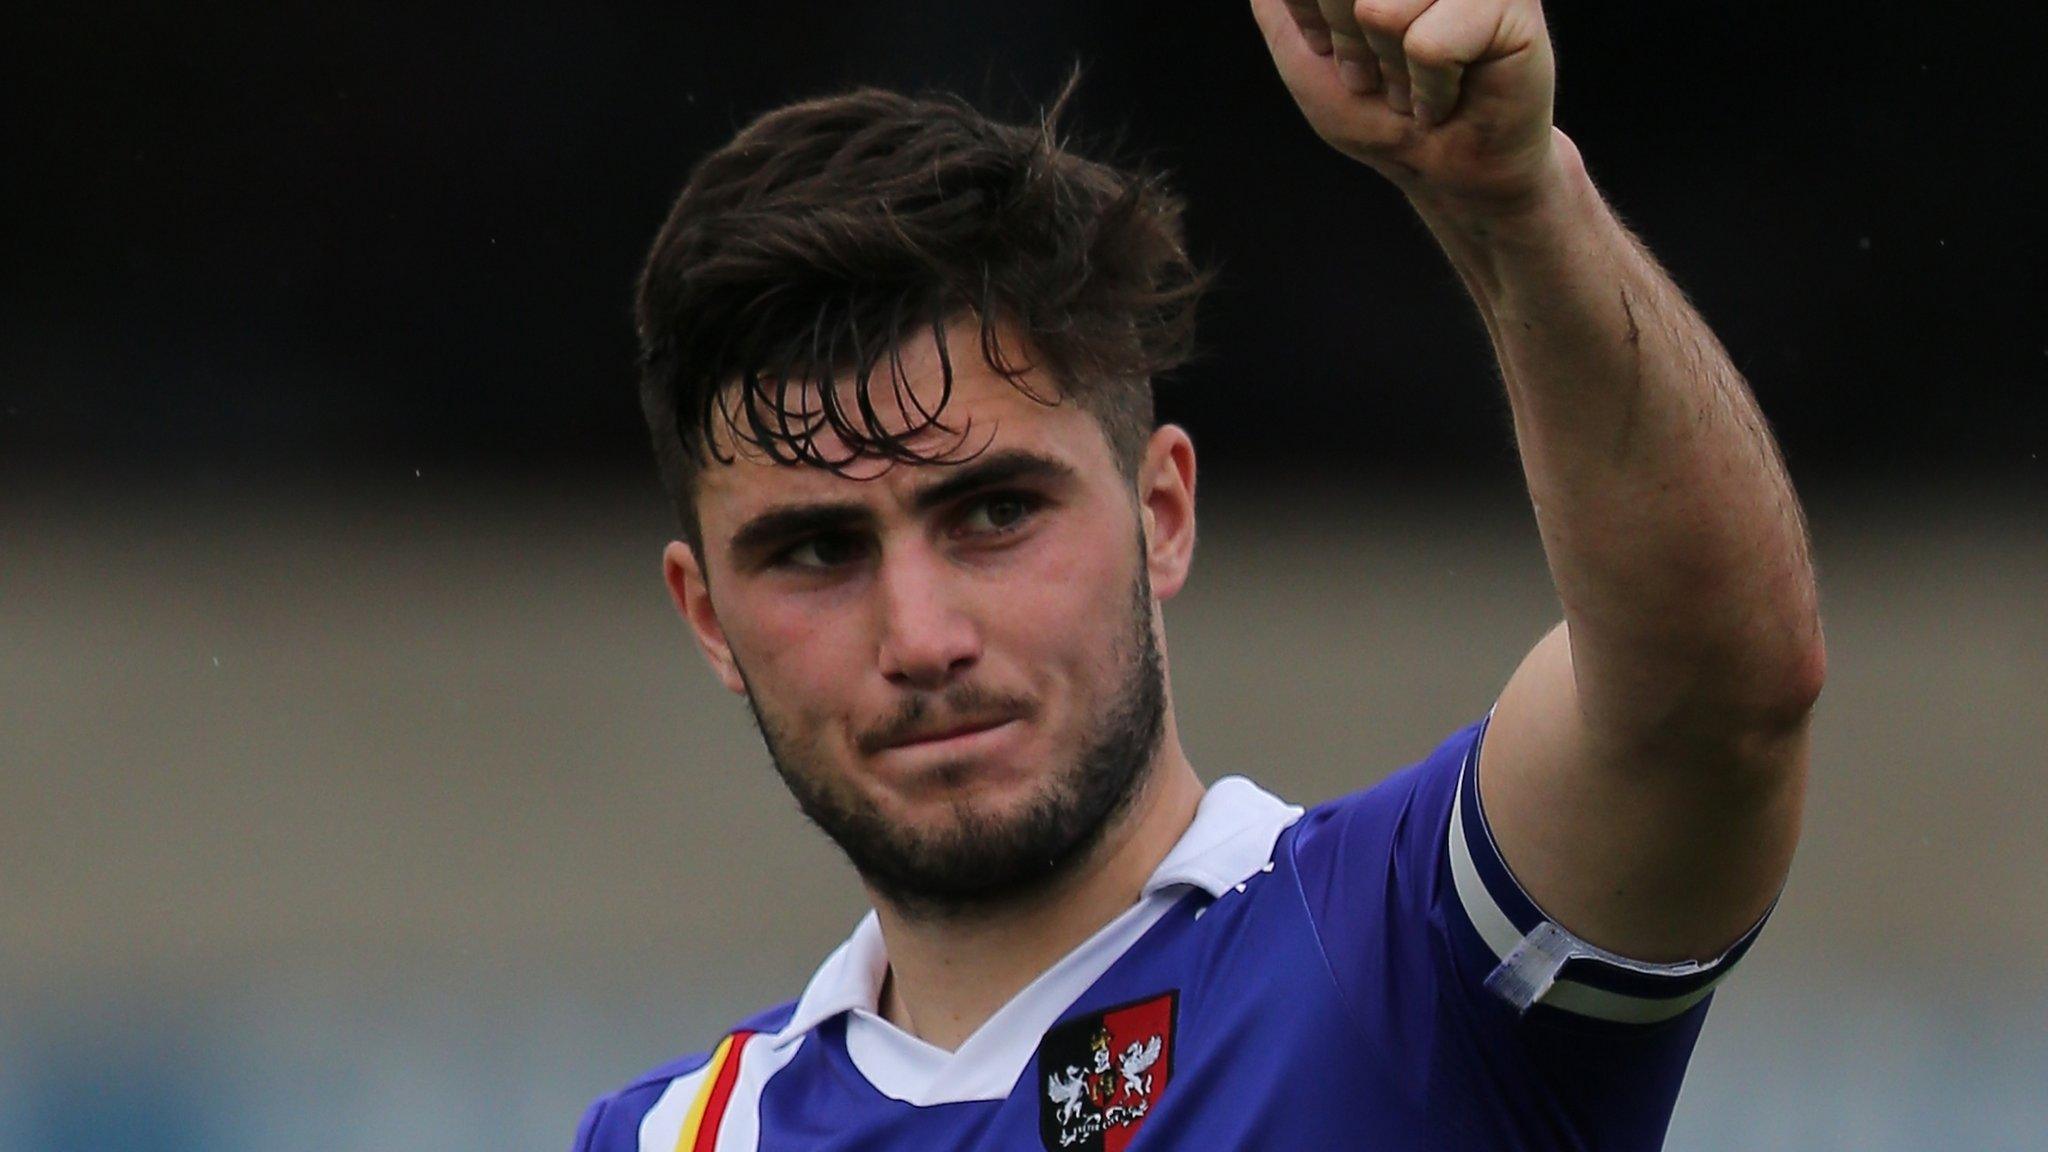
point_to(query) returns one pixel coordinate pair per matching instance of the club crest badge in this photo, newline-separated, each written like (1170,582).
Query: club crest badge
(1101,1074)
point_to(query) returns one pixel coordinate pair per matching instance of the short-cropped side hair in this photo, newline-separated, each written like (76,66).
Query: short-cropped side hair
(827,233)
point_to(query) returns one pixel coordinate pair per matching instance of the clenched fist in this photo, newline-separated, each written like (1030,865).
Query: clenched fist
(1450,99)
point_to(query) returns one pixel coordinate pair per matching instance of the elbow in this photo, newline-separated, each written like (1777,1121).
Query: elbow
(1762,733)
(1767,695)
(1805,675)
(1786,685)
(1812,671)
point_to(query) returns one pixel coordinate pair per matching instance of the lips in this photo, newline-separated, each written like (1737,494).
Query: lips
(963,718)
(949,732)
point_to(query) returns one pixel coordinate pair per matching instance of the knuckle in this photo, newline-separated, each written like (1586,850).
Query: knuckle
(1390,16)
(1428,51)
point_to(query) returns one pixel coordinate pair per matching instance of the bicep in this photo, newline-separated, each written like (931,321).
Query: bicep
(1656,852)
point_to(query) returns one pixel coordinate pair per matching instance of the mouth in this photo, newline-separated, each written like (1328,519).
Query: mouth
(958,735)
(988,746)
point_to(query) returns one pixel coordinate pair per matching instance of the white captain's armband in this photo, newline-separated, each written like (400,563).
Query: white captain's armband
(1540,962)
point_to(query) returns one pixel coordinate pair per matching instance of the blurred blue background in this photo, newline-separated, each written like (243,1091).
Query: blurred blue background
(358,789)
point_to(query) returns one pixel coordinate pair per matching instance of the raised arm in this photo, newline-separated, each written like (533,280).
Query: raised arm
(1644,768)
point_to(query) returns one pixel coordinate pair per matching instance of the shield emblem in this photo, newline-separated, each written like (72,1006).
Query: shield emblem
(1101,1074)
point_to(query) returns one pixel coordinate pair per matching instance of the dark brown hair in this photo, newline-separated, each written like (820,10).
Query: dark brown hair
(830,231)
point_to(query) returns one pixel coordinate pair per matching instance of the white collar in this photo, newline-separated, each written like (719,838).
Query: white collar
(1230,840)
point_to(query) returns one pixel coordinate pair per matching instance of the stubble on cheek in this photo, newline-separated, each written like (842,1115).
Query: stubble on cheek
(975,852)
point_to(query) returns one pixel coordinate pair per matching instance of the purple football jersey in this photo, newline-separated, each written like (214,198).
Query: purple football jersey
(1366,974)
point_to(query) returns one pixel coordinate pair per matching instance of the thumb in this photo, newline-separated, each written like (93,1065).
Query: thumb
(1283,33)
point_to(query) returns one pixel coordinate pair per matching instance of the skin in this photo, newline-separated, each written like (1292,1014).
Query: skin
(1646,763)
(834,631)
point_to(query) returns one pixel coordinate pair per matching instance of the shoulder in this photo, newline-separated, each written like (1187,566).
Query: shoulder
(1416,850)
(612,1122)
(1412,799)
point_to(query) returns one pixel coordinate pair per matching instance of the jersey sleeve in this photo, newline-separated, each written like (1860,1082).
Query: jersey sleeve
(1433,943)
(1423,833)
(586,1129)
(666,1095)
(612,1122)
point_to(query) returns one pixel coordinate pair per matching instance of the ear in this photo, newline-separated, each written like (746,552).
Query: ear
(692,595)
(1166,500)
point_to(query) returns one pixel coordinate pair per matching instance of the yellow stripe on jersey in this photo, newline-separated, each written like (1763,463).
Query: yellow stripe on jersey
(686,1140)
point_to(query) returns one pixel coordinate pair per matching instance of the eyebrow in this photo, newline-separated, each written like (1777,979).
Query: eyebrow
(993,469)
(990,470)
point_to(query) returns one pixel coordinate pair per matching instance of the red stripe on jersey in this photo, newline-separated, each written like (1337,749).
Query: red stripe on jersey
(721,1094)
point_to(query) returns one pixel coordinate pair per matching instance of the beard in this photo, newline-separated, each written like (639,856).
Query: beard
(979,861)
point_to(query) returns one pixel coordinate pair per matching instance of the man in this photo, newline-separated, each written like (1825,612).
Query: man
(897,364)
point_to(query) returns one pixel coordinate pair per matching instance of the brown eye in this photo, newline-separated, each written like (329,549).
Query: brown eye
(827,551)
(998,513)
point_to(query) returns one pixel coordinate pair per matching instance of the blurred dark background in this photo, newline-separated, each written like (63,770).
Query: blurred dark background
(247,236)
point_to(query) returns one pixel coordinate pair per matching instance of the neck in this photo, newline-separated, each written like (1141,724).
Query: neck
(947,976)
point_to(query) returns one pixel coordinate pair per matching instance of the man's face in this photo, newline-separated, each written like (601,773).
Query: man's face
(954,665)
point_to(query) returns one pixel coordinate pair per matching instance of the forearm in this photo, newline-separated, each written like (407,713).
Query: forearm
(1673,534)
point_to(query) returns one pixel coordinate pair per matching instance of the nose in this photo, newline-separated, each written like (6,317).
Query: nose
(927,636)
